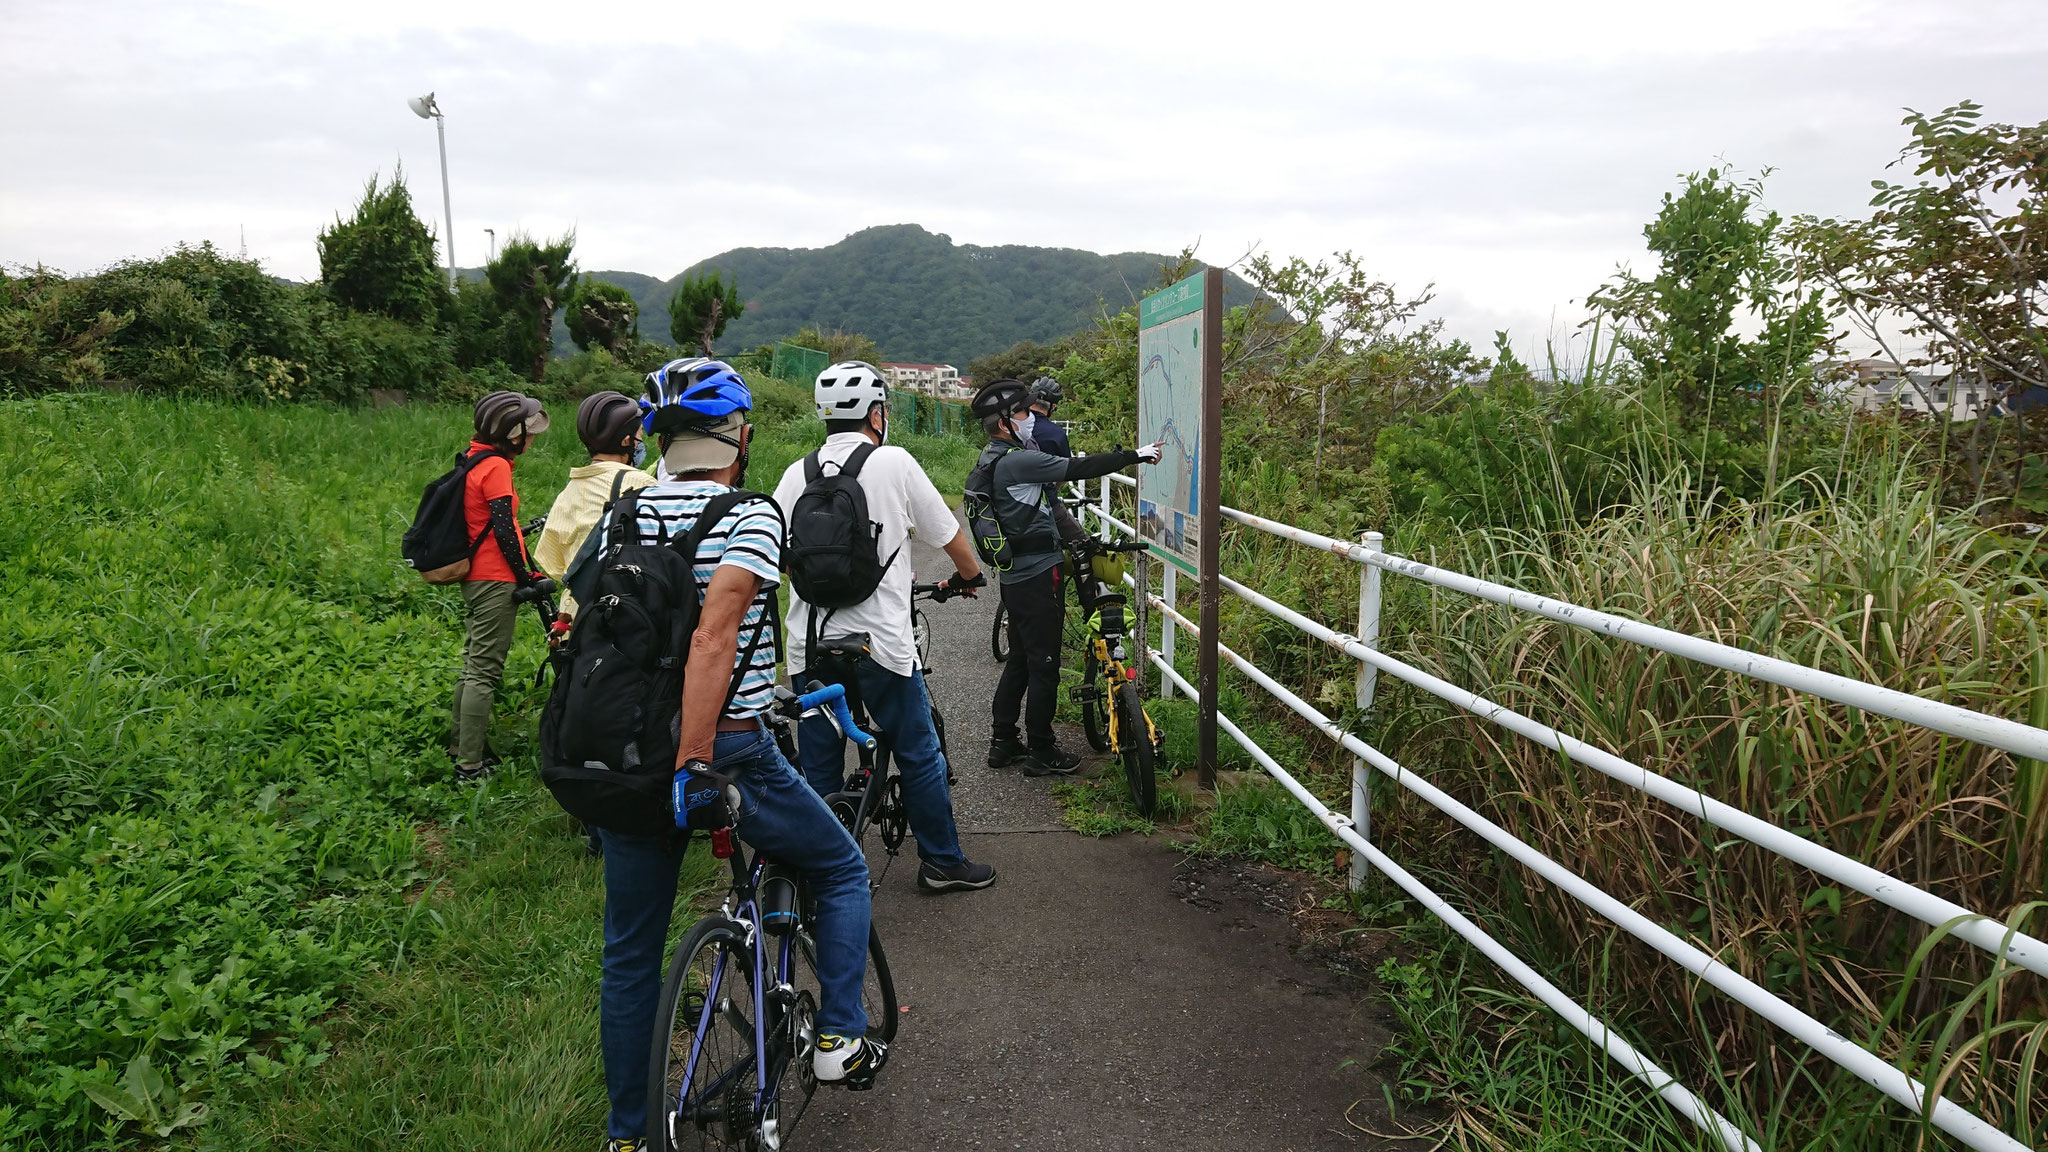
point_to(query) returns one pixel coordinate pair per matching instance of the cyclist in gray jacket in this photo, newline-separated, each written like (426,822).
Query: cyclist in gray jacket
(1025,491)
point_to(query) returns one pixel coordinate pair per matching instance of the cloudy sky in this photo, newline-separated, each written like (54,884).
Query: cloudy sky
(1506,152)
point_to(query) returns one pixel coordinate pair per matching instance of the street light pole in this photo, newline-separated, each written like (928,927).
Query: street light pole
(425,108)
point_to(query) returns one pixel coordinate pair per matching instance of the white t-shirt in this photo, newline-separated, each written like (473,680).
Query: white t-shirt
(902,499)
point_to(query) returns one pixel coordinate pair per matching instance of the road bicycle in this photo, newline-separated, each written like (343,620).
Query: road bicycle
(872,794)
(736,1024)
(1112,703)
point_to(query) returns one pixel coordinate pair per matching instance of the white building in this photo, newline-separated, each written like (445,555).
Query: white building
(1877,384)
(940,380)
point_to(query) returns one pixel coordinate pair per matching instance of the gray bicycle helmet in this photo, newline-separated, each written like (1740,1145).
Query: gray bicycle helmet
(1046,390)
(502,416)
(605,419)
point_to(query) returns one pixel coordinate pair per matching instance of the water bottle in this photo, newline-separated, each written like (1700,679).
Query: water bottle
(778,901)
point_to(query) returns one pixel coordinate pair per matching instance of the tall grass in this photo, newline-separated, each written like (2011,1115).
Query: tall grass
(1866,577)
(1853,566)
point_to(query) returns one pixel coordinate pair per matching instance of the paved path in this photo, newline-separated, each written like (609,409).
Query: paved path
(1104,994)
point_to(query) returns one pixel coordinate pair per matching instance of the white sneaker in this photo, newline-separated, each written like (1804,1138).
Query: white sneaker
(852,1062)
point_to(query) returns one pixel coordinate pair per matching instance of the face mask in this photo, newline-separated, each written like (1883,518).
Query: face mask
(885,427)
(1027,428)
(639,453)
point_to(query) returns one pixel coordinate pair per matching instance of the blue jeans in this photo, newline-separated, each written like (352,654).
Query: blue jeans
(780,815)
(901,708)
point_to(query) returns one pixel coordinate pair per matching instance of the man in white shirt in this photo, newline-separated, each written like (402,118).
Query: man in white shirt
(852,399)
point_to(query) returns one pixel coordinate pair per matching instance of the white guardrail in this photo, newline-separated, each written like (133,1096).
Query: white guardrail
(1983,931)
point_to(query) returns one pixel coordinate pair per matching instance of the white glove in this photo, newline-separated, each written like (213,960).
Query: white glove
(1150,453)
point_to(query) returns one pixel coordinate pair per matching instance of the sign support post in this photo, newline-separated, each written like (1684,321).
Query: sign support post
(1211,462)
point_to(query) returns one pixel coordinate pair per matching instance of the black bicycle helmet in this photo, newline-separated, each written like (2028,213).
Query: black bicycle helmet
(605,419)
(1001,398)
(1046,390)
(502,416)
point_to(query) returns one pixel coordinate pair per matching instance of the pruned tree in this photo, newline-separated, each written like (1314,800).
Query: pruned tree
(529,280)
(700,308)
(603,315)
(382,259)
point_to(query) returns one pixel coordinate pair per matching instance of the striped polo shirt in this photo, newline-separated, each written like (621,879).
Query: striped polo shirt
(748,537)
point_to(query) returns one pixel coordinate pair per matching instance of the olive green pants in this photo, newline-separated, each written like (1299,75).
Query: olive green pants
(487,637)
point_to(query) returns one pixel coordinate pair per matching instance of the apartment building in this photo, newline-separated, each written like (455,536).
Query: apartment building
(939,380)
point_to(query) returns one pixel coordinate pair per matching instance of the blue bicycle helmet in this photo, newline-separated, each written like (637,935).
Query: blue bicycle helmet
(693,392)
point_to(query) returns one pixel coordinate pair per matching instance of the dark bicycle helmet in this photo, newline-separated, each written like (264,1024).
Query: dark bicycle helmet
(692,393)
(605,419)
(1001,398)
(502,416)
(1046,391)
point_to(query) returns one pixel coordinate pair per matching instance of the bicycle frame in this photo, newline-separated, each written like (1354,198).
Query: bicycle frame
(742,906)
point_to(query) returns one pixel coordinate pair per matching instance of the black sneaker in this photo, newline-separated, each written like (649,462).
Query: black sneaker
(1003,753)
(1050,761)
(472,775)
(962,877)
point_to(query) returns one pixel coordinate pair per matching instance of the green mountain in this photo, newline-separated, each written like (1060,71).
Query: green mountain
(918,294)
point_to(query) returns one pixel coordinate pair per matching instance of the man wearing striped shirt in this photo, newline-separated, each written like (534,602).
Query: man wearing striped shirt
(728,683)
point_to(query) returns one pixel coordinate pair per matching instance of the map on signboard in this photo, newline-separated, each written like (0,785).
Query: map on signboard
(1170,412)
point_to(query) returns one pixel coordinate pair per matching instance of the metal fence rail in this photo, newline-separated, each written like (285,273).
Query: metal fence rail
(1354,830)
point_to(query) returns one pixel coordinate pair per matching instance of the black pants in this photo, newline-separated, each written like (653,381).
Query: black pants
(1037,610)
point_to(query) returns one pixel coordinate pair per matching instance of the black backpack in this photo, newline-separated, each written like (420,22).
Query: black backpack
(609,733)
(996,542)
(835,550)
(438,545)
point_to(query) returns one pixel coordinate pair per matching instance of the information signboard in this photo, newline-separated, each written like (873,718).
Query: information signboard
(1180,407)
(1170,406)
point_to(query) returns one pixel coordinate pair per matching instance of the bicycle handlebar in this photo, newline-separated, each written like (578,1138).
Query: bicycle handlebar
(830,701)
(938,593)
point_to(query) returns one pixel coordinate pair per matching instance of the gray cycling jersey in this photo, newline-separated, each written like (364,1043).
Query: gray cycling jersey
(1026,484)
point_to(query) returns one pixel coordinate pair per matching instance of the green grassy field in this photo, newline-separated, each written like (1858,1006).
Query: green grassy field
(242,890)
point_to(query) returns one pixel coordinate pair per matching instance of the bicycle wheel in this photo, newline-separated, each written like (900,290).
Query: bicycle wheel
(877,986)
(1094,703)
(1134,743)
(921,635)
(701,1076)
(999,634)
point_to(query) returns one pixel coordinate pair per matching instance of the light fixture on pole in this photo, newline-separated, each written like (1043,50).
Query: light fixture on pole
(425,108)
(493,234)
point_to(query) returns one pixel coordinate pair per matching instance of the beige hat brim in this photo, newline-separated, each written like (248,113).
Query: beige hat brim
(696,451)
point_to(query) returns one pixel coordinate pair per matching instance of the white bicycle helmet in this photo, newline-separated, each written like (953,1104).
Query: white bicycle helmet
(849,390)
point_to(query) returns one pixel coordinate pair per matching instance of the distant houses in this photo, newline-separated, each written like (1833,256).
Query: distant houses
(942,381)
(1875,385)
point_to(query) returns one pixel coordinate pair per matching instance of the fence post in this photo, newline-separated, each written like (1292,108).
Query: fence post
(1167,628)
(1368,635)
(1104,517)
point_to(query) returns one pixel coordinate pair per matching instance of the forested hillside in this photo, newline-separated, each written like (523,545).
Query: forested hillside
(918,294)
